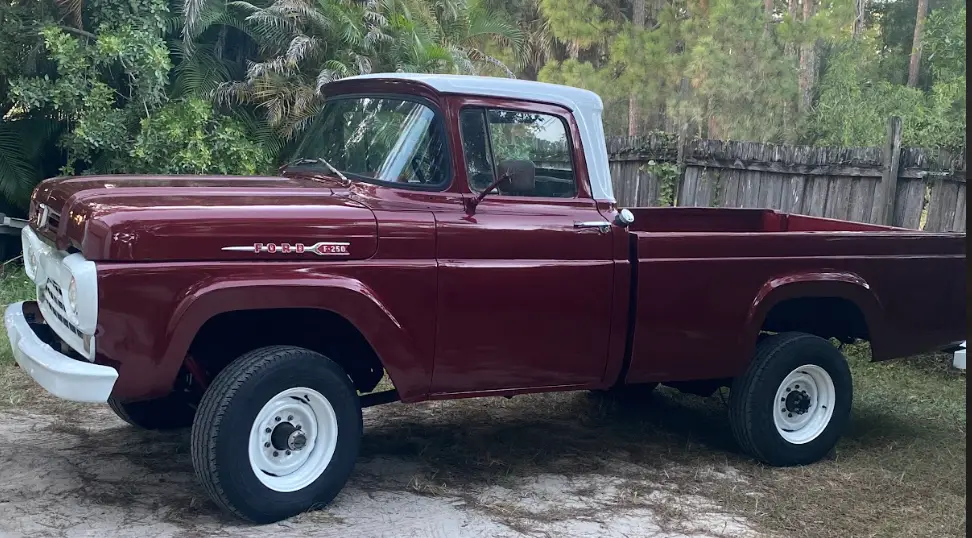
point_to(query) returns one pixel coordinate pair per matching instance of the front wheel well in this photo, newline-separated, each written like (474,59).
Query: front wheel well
(226,336)
(826,317)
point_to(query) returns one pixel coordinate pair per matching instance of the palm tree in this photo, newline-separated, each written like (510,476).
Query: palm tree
(307,44)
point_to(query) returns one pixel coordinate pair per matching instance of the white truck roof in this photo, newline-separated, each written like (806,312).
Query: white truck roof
(585,105)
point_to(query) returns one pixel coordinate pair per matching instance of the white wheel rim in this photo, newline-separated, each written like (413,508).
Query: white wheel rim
(804,404)
(289,465)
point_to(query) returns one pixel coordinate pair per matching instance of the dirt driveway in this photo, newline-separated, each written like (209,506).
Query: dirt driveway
(550,465)
(531,466)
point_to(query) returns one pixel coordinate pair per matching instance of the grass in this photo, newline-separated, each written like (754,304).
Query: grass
(898,471)
(14,286)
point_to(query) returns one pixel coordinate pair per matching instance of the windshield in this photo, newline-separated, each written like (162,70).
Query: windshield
(386,140)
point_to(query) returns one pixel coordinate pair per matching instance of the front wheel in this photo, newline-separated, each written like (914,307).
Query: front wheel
(276,434)
(792,403)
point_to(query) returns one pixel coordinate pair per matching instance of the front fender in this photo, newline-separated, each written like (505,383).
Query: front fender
(409,370)
(836,284)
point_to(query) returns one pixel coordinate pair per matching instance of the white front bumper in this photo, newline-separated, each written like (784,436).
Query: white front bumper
(61,375)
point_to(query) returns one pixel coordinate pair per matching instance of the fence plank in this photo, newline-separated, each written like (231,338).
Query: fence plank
(792,201)
(749,189)
(911,201)
(704,188)
(942,206)
(686,196)
(817,201)
(958,223)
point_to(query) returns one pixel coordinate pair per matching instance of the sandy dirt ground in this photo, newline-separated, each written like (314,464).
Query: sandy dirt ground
(428,470)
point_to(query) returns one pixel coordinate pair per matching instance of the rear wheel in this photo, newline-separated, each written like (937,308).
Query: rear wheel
(792,403)
(276,434)
(169,413)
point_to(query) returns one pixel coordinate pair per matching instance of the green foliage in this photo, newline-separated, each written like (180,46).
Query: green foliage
(102,87)
(856,101)
(667,176)
(106,86)
(187,137)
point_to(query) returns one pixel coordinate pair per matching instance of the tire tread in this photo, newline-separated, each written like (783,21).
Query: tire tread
(741,406)
(210,415)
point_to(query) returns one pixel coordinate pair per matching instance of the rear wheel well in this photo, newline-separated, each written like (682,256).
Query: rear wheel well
(827,317)
(226,336)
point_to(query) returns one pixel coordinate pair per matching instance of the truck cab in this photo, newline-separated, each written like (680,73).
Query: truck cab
(459,235)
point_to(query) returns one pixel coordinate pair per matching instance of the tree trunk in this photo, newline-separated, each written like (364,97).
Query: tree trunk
(916,44)
(808,63)
(573,49)
(634,109)
(791,8)
(860,6)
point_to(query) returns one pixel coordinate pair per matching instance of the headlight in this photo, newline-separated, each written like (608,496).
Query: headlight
(72,296)
(30,260)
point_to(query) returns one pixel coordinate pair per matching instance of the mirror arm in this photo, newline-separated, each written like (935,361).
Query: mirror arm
(471,203)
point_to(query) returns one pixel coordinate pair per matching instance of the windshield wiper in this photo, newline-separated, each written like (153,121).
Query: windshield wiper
(300,161)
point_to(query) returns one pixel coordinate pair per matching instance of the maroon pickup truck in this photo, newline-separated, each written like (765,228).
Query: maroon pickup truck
(459,235)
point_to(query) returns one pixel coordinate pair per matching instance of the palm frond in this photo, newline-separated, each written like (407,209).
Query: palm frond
(21,143)
(71,10)
(199,70)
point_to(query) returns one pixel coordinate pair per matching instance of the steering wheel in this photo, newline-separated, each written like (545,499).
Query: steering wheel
(417,170)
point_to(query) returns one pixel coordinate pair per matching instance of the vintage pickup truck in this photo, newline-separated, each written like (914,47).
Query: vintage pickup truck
(460,235)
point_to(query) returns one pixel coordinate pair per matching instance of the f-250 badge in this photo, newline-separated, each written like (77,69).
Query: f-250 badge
(321,248)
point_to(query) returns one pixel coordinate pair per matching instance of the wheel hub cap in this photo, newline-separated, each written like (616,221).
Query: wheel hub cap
(797,402)
(804,404)
(286,436)
(292,439)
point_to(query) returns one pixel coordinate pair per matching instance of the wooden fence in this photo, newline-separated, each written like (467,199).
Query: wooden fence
(908,187)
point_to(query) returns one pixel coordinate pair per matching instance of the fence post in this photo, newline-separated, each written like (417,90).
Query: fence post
(682,142)
(889,178)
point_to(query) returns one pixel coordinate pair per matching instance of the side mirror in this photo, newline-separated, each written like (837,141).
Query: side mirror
(624,218)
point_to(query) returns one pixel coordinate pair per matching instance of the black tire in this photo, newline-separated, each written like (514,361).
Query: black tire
(221,433)
(752,399)
(172,412)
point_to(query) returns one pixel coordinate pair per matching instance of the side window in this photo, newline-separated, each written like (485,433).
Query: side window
(532,148)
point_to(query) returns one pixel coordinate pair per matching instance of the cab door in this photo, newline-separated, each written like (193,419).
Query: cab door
(524,280)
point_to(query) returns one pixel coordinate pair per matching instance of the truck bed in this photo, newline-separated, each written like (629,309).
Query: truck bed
(707,281)
(732,220)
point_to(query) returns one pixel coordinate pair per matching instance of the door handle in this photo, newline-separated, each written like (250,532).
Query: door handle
(602,226)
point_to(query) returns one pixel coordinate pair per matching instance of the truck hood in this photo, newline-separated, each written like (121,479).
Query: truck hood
(196,218)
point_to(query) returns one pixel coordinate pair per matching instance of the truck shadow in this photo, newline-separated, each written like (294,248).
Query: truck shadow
(432,447)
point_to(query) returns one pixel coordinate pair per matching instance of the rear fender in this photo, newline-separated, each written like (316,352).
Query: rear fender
(839,285)
(348,297)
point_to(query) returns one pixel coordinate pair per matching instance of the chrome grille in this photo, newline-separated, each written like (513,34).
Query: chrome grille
(51,294)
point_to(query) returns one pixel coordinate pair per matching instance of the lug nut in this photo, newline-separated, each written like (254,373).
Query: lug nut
(287,452)
(275,453)
(790,415)
(290,417)
(268,430)
(266,445)
(298,426)
(276,419)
